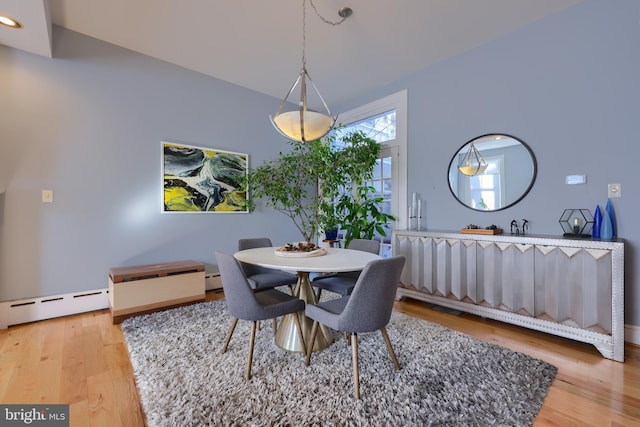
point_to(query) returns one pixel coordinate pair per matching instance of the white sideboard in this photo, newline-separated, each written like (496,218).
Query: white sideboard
(572,288)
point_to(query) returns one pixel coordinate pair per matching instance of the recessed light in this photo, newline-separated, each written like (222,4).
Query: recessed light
(9,22)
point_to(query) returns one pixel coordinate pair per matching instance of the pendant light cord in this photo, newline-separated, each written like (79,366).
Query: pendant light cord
(344,13)
(327,21)
(304,33)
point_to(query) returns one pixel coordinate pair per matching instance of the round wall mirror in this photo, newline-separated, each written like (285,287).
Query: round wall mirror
(492,172)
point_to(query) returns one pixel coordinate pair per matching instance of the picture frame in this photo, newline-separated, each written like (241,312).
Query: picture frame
(203,180)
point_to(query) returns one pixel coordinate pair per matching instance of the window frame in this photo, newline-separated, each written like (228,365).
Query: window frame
(397,102)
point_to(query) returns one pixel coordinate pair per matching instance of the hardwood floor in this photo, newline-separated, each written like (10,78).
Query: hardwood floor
(82,360)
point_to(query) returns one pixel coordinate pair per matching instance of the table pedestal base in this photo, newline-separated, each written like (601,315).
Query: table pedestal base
(287,334)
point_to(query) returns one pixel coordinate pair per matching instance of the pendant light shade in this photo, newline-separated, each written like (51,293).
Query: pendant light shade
(310,127)
(301,124)
(472,163)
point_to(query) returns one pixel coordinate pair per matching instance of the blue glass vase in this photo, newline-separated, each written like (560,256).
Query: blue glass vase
(606,228)
(612,217)
(597,222)
(331,234)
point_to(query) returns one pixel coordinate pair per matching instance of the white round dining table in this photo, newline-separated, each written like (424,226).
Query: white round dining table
(335,260)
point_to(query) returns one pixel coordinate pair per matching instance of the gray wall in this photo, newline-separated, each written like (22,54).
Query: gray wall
(88,125)
(569,87)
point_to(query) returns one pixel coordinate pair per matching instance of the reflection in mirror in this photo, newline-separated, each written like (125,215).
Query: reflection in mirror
(509,174)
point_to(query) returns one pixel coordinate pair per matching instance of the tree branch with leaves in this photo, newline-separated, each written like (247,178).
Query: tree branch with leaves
(304,183)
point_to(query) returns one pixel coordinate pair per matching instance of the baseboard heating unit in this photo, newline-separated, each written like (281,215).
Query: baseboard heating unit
(41,308)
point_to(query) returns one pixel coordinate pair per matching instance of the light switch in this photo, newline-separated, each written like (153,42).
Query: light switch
(615,190)
(47,196)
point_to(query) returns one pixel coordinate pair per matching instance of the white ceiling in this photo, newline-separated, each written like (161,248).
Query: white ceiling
(257,43)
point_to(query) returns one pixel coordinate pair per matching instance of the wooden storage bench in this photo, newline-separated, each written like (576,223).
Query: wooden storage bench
(144,289)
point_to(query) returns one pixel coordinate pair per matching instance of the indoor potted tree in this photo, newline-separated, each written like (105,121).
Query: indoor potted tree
(305,182)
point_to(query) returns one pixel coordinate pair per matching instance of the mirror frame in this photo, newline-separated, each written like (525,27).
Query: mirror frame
(524,193)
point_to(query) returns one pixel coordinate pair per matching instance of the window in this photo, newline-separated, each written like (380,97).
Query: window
(486,188)
(381,127)
(385,121)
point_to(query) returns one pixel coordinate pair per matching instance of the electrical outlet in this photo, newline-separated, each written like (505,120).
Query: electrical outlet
(615,190)
(47,196)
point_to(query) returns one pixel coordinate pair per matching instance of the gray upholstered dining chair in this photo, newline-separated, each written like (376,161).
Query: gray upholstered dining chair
(246,304)
(262,277)
(367,309)
(342,283)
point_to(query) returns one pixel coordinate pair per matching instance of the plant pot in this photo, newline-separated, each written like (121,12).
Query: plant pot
(331,234)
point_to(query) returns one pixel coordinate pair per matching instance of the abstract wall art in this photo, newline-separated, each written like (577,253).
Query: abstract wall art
(199,179)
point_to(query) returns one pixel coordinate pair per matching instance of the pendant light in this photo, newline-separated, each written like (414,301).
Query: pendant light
(303,125)
(472,163)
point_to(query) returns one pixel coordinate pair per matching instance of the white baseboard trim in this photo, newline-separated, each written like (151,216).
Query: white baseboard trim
(33,309)
(632,334)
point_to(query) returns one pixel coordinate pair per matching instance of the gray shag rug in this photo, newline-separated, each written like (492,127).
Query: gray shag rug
(447,378)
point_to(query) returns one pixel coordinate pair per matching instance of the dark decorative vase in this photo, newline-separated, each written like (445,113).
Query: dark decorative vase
(331,234)
(597,222)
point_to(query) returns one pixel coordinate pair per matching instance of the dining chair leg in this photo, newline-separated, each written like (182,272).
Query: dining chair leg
(390,347)
(275,325)
(231,329)
(296,318)
(318,294)
(356,370)
(251,343)
(312,341)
